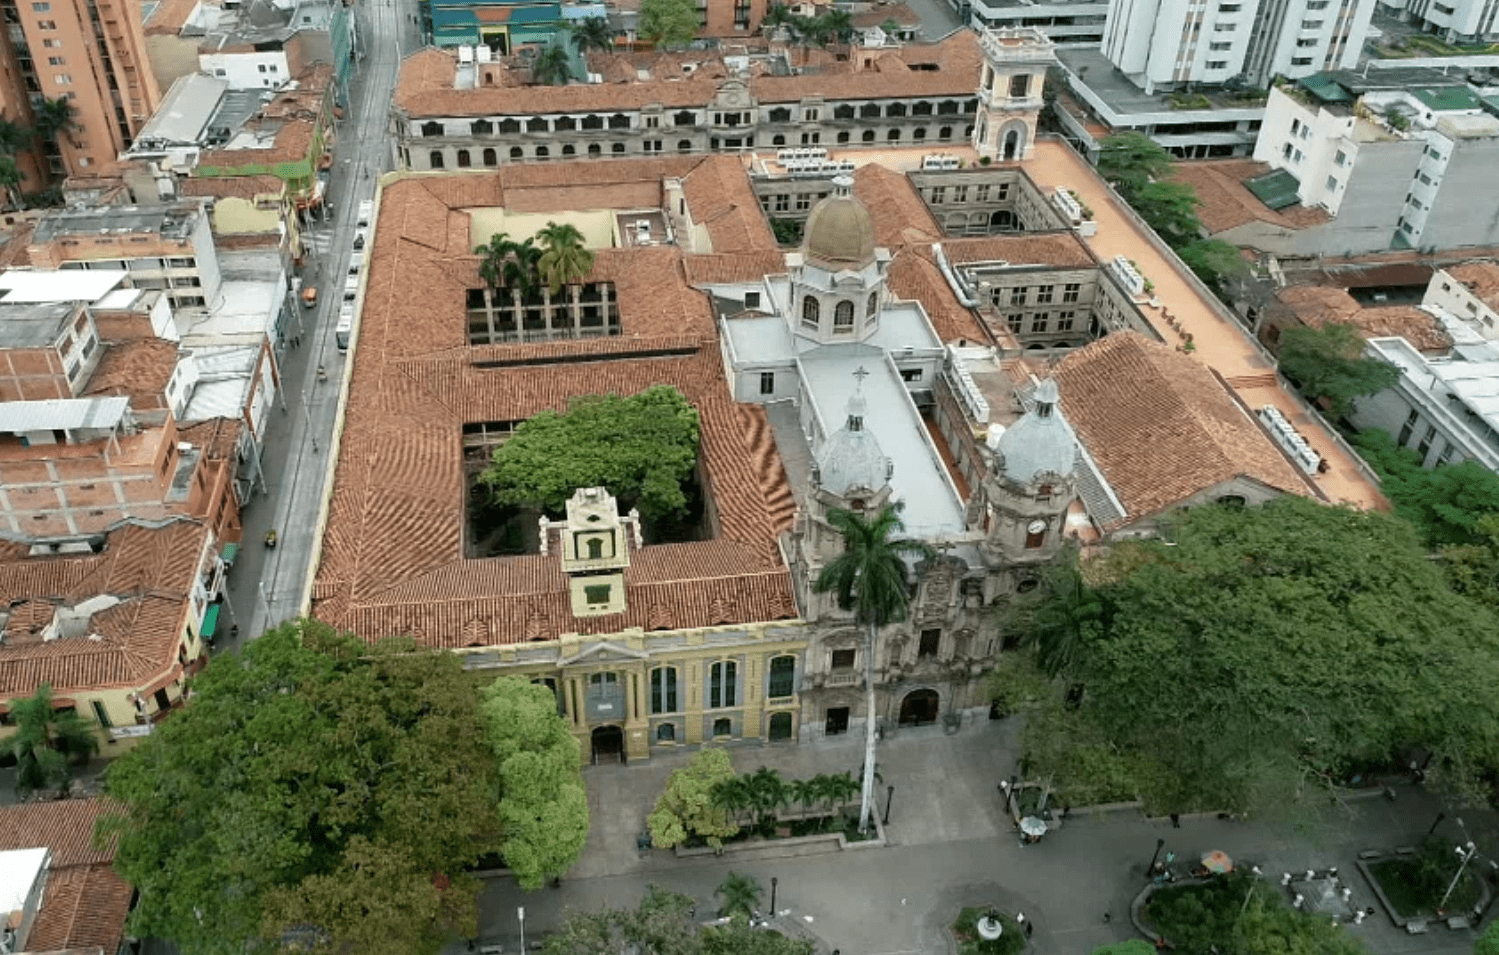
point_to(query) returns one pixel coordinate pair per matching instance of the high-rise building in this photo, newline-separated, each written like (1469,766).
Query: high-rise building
(1172,43)
(90,53)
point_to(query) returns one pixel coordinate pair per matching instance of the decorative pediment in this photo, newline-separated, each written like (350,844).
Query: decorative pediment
(604,652)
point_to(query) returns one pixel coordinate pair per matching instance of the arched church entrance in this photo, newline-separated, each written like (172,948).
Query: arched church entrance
(608,745)
(919,707)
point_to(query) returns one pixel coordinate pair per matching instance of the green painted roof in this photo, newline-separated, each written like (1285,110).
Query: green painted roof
(1275,189)
(1447,98)
(1325,88)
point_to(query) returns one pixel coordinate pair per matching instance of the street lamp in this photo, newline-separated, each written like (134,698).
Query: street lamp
(773,883)
(1466,853)
(520,913)
(1159,845)
(889,798)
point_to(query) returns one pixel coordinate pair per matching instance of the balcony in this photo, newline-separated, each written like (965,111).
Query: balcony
(843,678)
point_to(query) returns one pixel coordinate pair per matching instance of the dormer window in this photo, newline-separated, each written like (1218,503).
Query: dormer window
(811,311)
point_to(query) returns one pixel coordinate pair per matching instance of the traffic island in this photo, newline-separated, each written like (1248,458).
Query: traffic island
(985,931)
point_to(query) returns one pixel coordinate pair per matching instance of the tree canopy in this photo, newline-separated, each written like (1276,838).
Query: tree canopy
(690,807)
(315,784)
(1328,363)
(1171,210)
(1131,161)
(544,807)
(1446,503)
(663,925)
(1218,264)
(1266,651)
(668,23)
(642,448)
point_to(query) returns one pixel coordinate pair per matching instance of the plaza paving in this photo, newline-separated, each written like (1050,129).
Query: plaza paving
(952,846)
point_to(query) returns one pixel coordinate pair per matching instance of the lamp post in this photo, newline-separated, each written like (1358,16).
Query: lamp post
(889,797)
(773,883)
(267,602)
(520,913)
(1159,845)
(1436,822)
(1466,853)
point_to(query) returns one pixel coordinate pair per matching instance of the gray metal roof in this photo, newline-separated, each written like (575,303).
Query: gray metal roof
(172,221)
(183,116)
(33,325)
(1041,442)
(62,414)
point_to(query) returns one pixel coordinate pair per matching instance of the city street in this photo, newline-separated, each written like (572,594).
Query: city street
(266,585)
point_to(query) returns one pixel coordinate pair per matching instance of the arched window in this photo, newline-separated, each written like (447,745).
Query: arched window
(542,152)
(843,317)
(721,688)
(481,127)
(868,136)
(778,140)
(782,677)
(873,306)
(842,138)
(945,133)
(464,160)
(537,124)
(617,148)
(508,126)
(919,133)
(811,311)
(516,152)
(664,690)
(568,149)
(594,149)
(434,159)
(723,727)
(684,145)
(432,129)
(893,135)
(490,159)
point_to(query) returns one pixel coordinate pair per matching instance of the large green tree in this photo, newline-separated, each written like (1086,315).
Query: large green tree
(642,448)
(1329,364)
(1446,503)
(47,742)
(1131,161)
(1266,650)
(1062,618)
(871,579)
(1218,264)
(315,784)
(668,23)
(1473,568)
(593,33)
(1171,210)
(689,806)
(543,807)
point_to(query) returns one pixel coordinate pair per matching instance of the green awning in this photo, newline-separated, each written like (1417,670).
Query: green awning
(210,620)
(230,552)
(1276,190)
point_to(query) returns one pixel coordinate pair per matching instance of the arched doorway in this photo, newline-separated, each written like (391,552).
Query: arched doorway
(1012,144)
(919,706)
(608,745)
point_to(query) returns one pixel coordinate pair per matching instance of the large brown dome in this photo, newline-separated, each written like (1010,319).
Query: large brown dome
(839,233)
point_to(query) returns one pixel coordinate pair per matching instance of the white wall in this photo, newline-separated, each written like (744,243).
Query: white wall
(250,70)
(1453,297)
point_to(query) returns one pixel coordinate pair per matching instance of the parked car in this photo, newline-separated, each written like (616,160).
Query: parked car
(309,297)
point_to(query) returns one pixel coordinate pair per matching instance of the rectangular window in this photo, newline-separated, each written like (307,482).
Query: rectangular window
(803,201)
(1295,126)
(910,374)
(1217,64)
(1308,43)
(1015,322)
(783,203)
(1220,47)
(1340,158)
(596,594)
(981,193)
(41,7)
(1311,24)
(1071,291)
(721,685)
(100,713)
(652,122)
(664,690)
(960,194)
(46,24)
(1297,156)
(1301,61)
(782,677)
(939,195)
(1332,182)
(751,299)
(57,61)
(843,659)
(1064,321)
(1043,294)
(1407,428)
(930,641)
(1287,150)
(62,79)
(1225,27)
(767,382)
(1017,295)
(1020,84)
(1038,323)
(811,115)
(1424,448)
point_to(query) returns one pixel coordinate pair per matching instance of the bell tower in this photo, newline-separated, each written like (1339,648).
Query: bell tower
(1014,73)
(594,545)
(1030,483)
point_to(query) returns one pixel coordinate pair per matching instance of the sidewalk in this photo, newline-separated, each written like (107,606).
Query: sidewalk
(951,846)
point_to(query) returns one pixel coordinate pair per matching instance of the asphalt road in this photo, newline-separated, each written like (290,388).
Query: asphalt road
(266,585)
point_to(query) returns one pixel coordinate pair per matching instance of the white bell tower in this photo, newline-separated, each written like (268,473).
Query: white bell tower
(1015,62)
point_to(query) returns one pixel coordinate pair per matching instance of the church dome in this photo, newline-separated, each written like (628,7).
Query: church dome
(839,233)
(1041,442)
(852,459)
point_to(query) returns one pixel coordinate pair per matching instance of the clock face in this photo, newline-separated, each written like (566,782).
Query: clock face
(1035,527)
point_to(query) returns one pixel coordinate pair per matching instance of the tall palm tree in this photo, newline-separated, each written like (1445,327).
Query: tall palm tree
(870,578)
(1063,618)
(841,788)
(837,26)
(13,136)
(593,33)
(551,66)
(566,260)
(46,742)
(53,118)
(767,793)
(804,791)
(509,264)
(739,895)
(733,797)
(495,252)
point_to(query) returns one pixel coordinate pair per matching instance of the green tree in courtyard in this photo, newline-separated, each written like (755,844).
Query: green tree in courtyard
(46,743)
(1473,569)
(739,938)
(543,806)
(593,33)
(1446,503)
(1216,262)
(1063,618)
(1270,648)
(314,780)
(1171,210)
(1131,161)
(564,260)
(668,23)
(738,896)
(505,262)
(642,448)
(871,579)
(1329,364)
(689,806)
(552,66)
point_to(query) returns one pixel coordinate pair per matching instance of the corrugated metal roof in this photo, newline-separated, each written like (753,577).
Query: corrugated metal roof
(62,414)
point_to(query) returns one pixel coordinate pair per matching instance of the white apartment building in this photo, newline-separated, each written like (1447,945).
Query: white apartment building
(1171,43)
(1456,21)
(1065,22)
(1398,166)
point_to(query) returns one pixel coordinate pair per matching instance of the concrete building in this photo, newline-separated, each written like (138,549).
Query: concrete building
(452,113)
(94,57)
(1069,23)
(1460,21)
(1395,160)
(1169,44)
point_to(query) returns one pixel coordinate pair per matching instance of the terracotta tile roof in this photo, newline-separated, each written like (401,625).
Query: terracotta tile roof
(139,370)
(896,210)
(948,68)
(1061,250)
(1319,305)
(151,569)
(1481,278)
(1161,426)
(720,197)
(16,252)
(290,144)
(85,903)
(169,16)
(232,187)
(219,437)
(877,16)
(733,269)
(392,558)
(914,276)
(1227,203)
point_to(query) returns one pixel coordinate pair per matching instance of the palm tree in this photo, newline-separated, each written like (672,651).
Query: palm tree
(870,578)
(566,260)
(767,793)
(841,788)
(551,66)
(46,741)
(804,791)
(510,264)
(10,178)
(733,797)
(1062,620)
(13,136)
(496,251)
(740,895)
(836,26)
(593,33)
(53,118)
